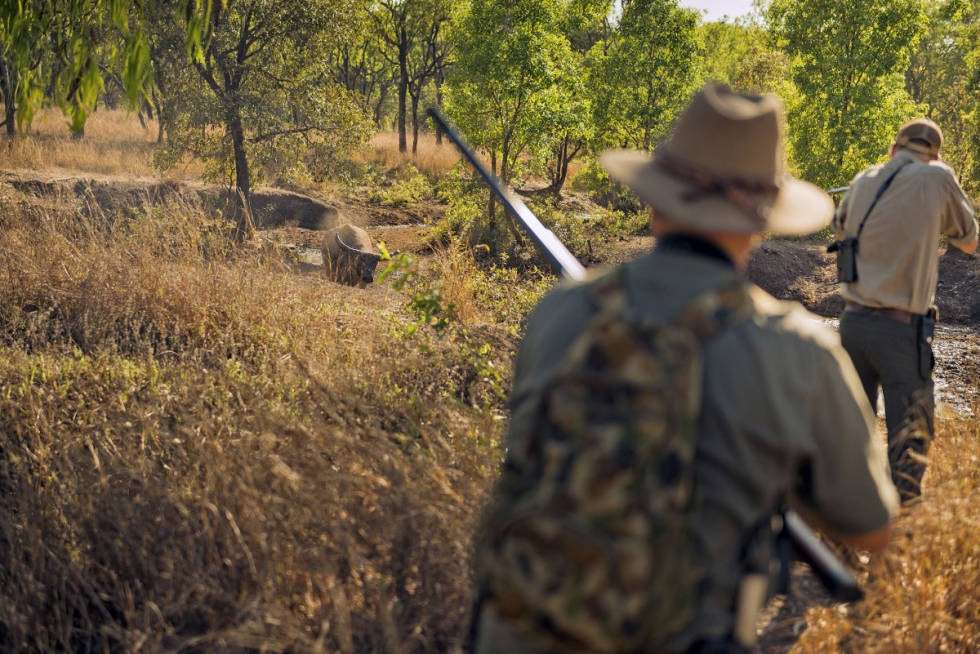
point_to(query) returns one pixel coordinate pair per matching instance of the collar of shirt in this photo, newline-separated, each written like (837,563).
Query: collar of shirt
(694,245)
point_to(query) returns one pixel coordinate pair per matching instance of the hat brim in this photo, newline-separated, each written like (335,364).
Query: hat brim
(798,208)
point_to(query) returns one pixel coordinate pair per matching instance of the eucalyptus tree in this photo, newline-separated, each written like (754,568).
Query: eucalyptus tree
(738,54)
(60,51)
(587,23)
(848,65)
(263,95)
(359,64)
(413,36)
(944,79)
(646,71)
(509,69)
(567,122)
(564,122)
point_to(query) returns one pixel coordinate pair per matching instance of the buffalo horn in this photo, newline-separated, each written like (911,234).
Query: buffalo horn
(355,250)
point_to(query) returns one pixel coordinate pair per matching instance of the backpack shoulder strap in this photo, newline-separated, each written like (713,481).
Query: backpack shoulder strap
(718,309)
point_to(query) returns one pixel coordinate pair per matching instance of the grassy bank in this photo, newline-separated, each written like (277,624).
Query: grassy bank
(205,449)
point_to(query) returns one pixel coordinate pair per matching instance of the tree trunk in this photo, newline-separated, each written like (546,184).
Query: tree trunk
(402,91)
(439,102)
(9,106)
(415,124)
(236,131)
(510,221)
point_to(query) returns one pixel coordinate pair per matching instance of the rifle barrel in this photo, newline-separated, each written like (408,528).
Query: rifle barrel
(561,259)
(836,578)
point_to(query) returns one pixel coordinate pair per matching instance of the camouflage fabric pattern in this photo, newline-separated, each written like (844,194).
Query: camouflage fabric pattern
(589,547)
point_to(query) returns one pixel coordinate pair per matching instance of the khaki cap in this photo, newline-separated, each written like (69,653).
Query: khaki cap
(924,130)
(723,169)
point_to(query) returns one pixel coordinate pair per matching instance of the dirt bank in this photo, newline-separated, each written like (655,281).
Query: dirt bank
(789,269)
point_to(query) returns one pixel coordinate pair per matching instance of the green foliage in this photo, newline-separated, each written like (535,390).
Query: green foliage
(594,180)
(262,101)
(428,301)
(646,72)
(406,186)
(586,23)
(466,218)
(508,293)
(425,301)
(848,62)
(942,79)
(509,62)
(560,123)
(737,54)
(63,50)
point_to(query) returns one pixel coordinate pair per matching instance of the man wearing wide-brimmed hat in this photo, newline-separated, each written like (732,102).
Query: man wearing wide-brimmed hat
(783,417)
(894,213)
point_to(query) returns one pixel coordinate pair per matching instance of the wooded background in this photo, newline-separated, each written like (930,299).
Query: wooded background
(284,90)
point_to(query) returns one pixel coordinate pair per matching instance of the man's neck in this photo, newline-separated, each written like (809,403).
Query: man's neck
(732,249)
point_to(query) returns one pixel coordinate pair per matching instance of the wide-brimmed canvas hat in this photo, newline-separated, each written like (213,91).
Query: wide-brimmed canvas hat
(723,169)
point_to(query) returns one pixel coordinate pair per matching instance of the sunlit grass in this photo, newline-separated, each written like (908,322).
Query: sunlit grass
(431,157)
(114,142)
(204,449)
(921,593)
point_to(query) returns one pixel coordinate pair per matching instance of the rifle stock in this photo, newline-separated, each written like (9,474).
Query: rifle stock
(836,578)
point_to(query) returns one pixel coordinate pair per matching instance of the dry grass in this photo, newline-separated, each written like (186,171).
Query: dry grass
(431,157)
(206,450)
(114,143)
(921,593)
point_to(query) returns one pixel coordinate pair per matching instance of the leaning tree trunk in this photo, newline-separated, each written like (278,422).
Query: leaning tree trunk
(245,227)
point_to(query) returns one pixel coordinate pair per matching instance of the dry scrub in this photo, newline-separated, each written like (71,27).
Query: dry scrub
(205,449)
(922,592)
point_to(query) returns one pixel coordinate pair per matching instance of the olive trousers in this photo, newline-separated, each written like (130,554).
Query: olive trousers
(897,358)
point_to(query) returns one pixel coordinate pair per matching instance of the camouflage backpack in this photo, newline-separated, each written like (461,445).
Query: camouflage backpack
(592,525)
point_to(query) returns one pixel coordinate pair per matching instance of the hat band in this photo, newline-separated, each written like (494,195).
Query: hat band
(736,190)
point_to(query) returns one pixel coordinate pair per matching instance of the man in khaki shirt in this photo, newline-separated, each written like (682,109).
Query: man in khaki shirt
(897,212)
(783,416)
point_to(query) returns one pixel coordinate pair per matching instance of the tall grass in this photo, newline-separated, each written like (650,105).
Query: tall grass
(922,591)
(431,157)
(204,449)
(114,142)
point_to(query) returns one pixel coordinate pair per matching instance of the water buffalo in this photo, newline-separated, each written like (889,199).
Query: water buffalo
(349,256)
